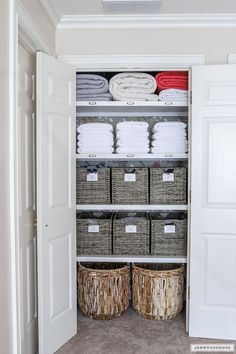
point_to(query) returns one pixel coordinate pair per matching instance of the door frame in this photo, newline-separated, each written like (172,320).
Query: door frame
(26,32)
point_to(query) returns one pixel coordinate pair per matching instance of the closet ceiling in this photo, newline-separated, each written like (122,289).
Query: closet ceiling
(95,7)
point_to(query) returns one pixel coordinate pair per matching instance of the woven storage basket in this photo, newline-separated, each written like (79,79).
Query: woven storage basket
(94,234)
(103,289)
(92,192)
(168,185)
(131,234)
(169,235)
(126,190)
(158,290)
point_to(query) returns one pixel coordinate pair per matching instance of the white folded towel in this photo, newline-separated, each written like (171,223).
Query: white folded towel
(132,125)
(131,149)
(157,150)
(133,86)
(94,127)
(173,95)
(130,134)
(92,150)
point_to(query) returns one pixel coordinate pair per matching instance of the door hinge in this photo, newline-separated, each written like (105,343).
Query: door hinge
(189,292)
(190,197)
(191,97)
(35,222)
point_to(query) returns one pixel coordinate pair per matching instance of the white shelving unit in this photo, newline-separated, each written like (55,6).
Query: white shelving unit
(130,207)
(131,157)
(132,259)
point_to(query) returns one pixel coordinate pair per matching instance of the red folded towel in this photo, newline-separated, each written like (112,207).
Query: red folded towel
(172,79)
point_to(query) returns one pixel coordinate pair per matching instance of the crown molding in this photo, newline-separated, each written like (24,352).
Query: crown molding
(136,22)
(29,32)
(132,62)
(51,11)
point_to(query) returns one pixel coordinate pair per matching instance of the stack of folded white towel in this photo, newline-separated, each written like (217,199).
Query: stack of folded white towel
(173,95)
(132,137)
(95,138)
(169,137)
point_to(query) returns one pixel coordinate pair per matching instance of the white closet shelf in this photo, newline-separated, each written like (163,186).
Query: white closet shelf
(130,157)
(131,106)
(130,207)
(132,259)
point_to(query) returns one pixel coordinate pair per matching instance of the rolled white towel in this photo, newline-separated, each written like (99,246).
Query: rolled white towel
(133,86)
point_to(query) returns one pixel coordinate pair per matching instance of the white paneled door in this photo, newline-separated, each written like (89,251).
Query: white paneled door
(56,206)
(213,209)
(26,200)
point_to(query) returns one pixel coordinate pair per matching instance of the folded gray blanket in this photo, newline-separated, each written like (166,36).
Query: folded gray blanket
(96,97)
(90,84)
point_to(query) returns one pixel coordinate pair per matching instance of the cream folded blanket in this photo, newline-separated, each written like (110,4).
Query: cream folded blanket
(133,86)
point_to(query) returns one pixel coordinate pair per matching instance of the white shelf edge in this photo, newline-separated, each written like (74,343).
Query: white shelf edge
(132,157)
(131,103)
(128,207)
(131,259)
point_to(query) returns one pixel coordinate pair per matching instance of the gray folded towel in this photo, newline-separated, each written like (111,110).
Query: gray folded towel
(90,84)
(95,97)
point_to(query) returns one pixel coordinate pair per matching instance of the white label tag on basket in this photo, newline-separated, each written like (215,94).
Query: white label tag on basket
(93,228)
(130,177)
(168,177)
(131,229)
(169,229)
(92,177)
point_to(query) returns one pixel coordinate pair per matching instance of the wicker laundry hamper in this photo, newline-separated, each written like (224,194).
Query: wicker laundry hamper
(94,233)
(168,185)
(131,234)
(169,234)
(130,186)
(93,185)
(103,289)
(158,290)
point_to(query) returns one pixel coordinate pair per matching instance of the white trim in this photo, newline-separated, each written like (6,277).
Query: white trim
(132,62)
(132,207)
(30,33)
(69,22)
(132,259)
(231,58)
(51,11)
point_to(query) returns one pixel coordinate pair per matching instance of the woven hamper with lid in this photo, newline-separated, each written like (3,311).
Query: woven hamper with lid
(158,290)
(168,234)
(93,190)
(103,289)
(168,185)
(130,186)
(131,234)
(94,233)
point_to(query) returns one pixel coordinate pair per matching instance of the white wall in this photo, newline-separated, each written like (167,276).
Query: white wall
(39,16)
(5,267)
(215,44)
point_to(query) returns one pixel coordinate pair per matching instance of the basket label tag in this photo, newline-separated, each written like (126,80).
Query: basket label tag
(92,177)
(130,177)
(131,229)
(168,177)
(169,229)
(93,228)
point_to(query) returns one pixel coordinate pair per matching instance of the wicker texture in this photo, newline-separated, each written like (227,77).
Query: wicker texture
(103,289)
(93,192)
(128,243)
(158,290)
(94,243)
(168,192)
(135,192)
(168,243)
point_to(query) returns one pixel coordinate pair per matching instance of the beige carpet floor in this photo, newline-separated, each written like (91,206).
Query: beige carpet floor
(131,334)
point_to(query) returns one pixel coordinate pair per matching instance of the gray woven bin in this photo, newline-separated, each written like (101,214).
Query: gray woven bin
(93,192)
(131,243)
(172,191)
(169,235)
(130,192)
(94,234)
